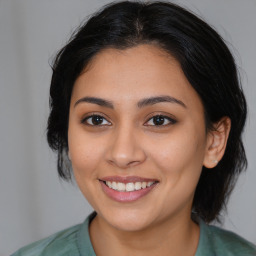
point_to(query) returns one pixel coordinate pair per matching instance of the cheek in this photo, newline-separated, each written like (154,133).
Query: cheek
(178,160)
(86,157)
(84,152)
(179,155)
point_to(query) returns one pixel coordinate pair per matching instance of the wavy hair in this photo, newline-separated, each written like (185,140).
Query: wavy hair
(204,58)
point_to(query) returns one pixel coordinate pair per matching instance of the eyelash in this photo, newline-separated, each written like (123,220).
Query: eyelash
(169,119)
(85,120)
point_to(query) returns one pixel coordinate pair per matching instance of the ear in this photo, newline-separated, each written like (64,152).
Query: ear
(216,142)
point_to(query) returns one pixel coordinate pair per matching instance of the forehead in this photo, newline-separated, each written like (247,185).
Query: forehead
(134,73)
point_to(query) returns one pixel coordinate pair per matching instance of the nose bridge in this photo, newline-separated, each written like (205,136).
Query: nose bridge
(126,150)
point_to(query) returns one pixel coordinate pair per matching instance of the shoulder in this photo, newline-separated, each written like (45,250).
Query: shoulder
(61,243)
(71,241)
(231,242)
(223,242)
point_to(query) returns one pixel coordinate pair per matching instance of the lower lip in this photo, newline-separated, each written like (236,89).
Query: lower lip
(120,196)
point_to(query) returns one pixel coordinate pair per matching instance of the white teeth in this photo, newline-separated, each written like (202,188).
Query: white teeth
(128,187)
(137,185)
(114,185)
(109,183)
(120,186)
(150,183)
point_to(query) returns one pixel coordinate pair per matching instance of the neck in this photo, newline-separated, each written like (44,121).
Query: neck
(181,236)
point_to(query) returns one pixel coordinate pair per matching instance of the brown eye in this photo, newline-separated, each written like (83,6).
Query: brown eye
(95,120)
(160,120)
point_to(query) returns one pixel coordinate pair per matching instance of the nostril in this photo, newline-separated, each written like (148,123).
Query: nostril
(125,151)
(123,163)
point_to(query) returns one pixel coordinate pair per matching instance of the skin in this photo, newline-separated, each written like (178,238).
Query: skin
(128,143)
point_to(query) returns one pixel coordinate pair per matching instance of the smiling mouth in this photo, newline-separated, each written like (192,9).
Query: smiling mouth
(130,186)
(127,189)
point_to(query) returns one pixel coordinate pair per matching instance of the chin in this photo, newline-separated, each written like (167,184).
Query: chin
(129,224)
(128,220)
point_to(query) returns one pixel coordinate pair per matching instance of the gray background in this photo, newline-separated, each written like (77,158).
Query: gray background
(34,203)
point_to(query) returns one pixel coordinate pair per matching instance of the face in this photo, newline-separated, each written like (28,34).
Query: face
(137,137)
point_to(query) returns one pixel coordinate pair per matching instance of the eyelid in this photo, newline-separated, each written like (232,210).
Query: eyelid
(89,115)
(171,120)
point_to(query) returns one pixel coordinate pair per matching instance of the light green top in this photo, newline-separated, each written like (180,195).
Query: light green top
(75,241)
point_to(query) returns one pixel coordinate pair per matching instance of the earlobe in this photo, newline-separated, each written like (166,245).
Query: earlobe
(216,142)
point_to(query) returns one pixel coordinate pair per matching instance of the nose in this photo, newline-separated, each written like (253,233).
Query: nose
(126,149)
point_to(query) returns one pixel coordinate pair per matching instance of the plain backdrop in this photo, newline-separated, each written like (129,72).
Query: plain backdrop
(34,203)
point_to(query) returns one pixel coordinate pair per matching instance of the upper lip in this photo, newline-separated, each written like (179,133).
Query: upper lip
(127,179)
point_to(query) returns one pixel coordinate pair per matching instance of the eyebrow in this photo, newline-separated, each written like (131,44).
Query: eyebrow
(142,103)
(159,99)
(98,101)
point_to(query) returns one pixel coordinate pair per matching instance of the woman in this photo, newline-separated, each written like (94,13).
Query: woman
(147,114)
